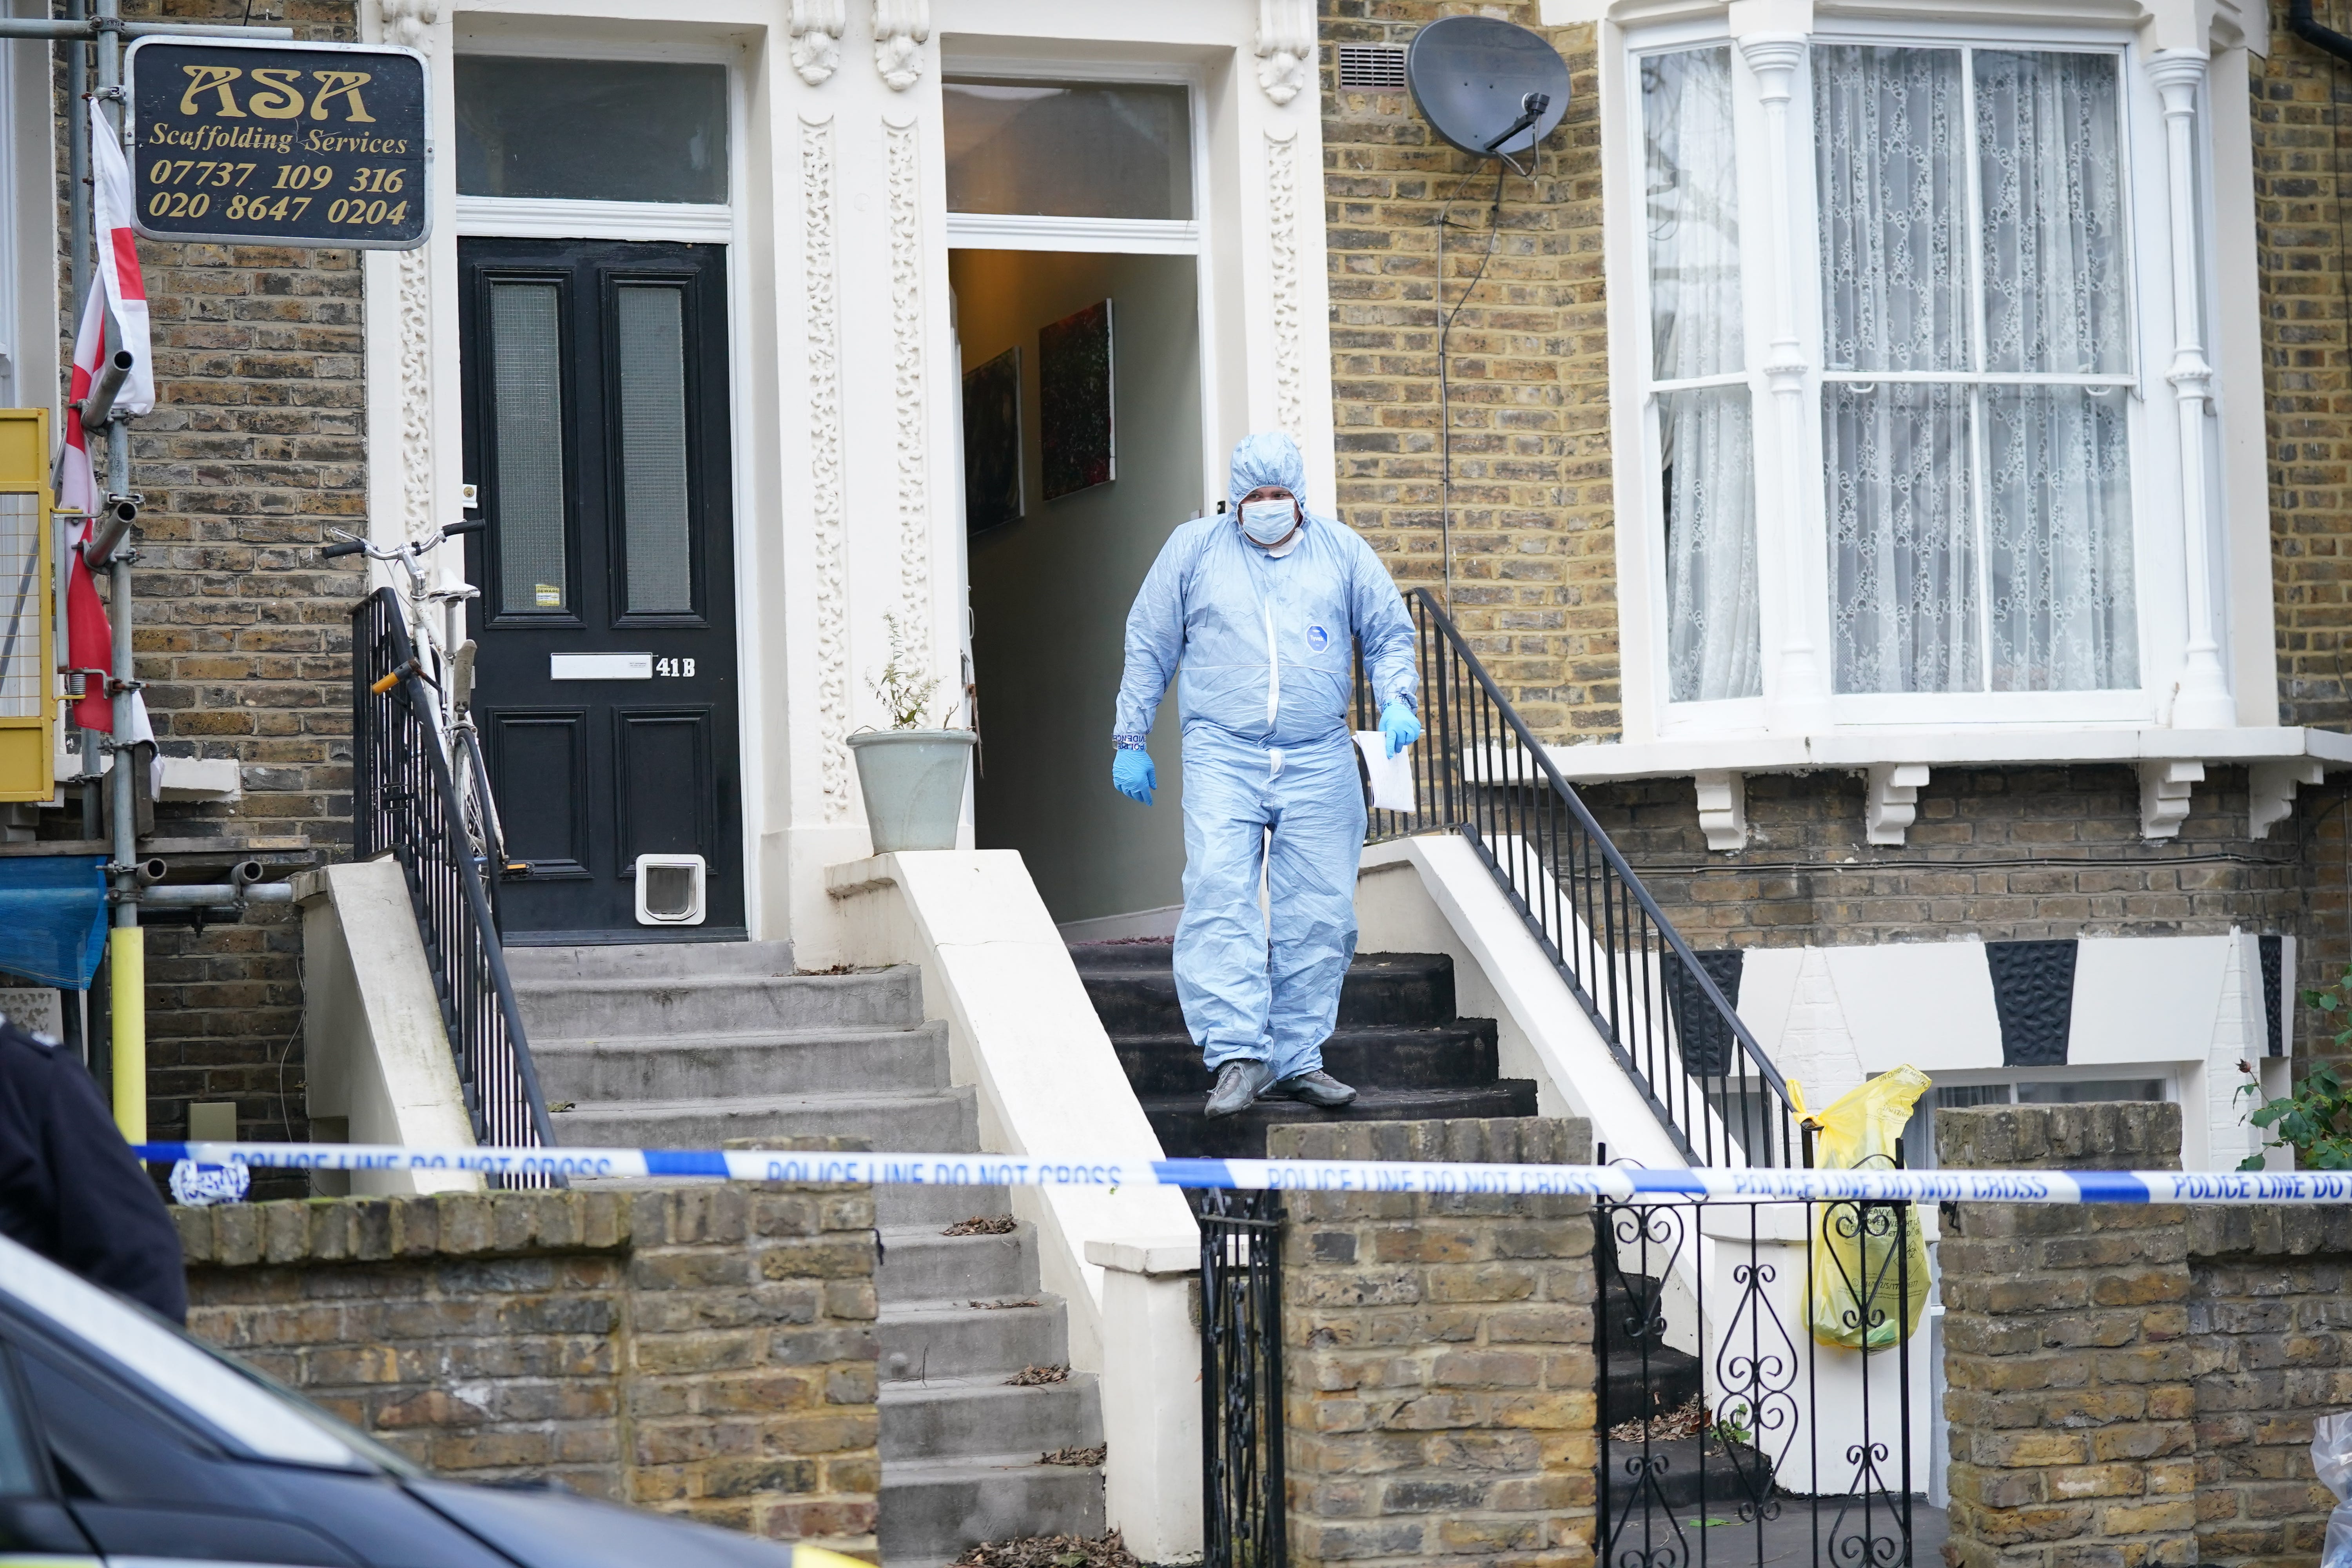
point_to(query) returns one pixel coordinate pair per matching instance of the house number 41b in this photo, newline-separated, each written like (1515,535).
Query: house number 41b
(673,667)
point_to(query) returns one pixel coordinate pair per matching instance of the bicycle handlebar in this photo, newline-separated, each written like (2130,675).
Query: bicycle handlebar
(393,553)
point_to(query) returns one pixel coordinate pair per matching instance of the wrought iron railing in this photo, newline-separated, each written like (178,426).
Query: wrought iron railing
(1241,1379)
(1780,1427)
(1481,773)
(404,803)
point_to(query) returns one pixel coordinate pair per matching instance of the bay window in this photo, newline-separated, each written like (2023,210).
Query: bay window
(1954,397)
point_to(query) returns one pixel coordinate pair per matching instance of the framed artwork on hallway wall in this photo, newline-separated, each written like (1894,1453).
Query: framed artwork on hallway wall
(1074,383)
(991,443)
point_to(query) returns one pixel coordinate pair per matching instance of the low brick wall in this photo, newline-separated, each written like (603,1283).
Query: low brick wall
(2270,1313)
(2066,1362)
(1438,1353)
(2134,1384)
(706,1350)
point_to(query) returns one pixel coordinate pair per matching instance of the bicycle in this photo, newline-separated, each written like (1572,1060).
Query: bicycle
(450,674)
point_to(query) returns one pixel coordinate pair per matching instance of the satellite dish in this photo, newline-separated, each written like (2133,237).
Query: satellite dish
(1487,87)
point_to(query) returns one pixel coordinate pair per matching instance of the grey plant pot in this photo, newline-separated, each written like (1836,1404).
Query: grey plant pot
(913,782)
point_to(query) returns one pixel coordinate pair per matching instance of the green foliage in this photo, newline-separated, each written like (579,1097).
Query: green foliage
(901,686)
(2314,1119)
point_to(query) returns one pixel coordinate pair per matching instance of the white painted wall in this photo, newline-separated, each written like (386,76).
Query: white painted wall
(847,475)
(374,1051)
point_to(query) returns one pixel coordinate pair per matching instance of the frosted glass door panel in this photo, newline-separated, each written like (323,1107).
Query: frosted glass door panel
(649,327)
(1070,149)
(526,369)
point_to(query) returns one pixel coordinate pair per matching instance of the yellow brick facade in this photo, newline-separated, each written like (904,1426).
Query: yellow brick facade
(1534,551)
(2303,162)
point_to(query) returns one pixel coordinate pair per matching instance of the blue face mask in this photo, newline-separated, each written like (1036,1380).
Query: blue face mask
(1269,521)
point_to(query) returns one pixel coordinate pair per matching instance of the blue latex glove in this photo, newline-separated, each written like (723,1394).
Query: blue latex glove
(1132,774)
(1400,726)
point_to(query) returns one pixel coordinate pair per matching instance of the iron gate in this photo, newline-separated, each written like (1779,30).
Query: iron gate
(1730,1432)
(1241,1379)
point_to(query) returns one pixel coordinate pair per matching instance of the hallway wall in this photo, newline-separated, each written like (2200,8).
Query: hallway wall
(1050,593)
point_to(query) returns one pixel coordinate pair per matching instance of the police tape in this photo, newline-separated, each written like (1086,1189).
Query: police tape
(965,1170)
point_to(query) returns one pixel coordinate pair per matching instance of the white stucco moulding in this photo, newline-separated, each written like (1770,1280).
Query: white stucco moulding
(1800,694)
(2270,790)
(815,27)
(1722,808)
(1285,48)
(2168,24)
(901,28)
(2168,762)
(1894,801)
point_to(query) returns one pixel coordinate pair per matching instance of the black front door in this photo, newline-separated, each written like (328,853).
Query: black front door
(596,414)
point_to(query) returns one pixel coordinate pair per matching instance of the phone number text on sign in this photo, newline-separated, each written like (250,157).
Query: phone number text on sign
(315,144)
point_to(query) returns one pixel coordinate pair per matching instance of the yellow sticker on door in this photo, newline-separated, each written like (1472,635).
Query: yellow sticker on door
(551,597)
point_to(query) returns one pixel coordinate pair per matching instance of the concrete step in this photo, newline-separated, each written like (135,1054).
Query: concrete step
(932,1510)
(924,1266)
(964,1417)
(955,1336)
(1184,1131)
(1456,1055)
(1133,988)
(692,1005)
(900,1208)
(813,1061)
(945,1120)
(649,960)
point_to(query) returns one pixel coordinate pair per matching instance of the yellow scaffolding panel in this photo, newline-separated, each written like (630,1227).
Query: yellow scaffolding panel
(28,662)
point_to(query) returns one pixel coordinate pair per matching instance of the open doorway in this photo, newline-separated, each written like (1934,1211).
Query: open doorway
(1051,587)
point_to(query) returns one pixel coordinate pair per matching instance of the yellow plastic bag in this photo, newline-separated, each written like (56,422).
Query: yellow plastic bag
(1866,1294)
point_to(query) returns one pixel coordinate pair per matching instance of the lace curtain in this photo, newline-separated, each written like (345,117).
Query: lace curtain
(1707,451)
(1979,529)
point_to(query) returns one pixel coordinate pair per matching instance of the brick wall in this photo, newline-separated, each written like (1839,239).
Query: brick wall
(2134,1384)
(2000,853)
(2302,148)
(1438,1353)
(256,447)
(1535,567)
(706,1350)
(2065,1357)
(2269,1305)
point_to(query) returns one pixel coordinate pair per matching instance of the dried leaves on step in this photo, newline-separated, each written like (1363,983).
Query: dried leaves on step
(1000,1305)
(831,969)
(983,1224)
(1036,1376)
(1687,1422)
(1051,1551)
(1073,1454)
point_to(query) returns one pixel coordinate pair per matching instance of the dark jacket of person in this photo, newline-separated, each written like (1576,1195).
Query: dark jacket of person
(71,1189)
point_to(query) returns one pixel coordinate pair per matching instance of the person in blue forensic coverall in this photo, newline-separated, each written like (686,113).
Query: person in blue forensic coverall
(1262,609)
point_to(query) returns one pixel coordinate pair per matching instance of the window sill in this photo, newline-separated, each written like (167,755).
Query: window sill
(1900,760)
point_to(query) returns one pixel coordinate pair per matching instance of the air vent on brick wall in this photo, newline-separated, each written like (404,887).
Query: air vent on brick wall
(1371,68)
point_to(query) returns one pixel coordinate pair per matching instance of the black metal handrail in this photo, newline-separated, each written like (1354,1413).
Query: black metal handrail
(1480,772)
(404,803)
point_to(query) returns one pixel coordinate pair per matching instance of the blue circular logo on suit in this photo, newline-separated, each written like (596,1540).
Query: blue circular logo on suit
(1318,639)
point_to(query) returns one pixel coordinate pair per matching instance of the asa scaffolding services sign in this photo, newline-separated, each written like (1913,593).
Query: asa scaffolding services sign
(315,144)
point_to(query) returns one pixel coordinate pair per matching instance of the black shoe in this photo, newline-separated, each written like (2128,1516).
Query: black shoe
(1317,1087)
(1239,1082)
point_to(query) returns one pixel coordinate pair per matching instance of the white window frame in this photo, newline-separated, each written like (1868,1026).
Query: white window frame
(2159,565)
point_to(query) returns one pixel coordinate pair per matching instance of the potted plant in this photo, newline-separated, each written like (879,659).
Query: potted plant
(912,778)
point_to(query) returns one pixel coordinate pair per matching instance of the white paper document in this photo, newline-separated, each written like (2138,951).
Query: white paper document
(1392,776)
